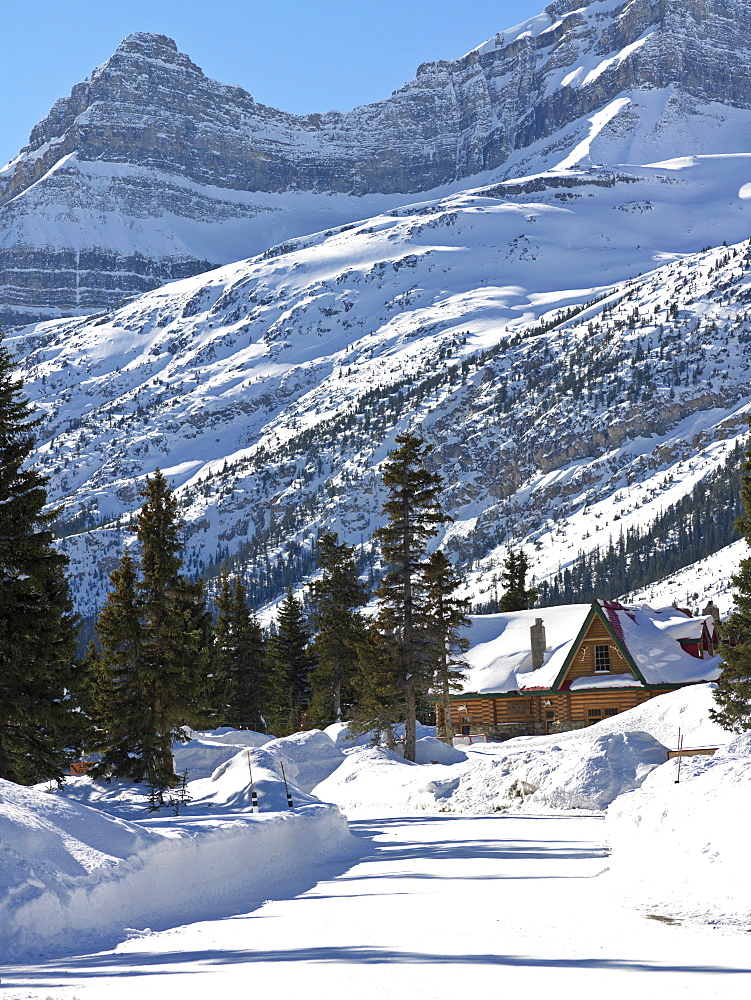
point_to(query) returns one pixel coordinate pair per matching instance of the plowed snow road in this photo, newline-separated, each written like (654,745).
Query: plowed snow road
(438,906)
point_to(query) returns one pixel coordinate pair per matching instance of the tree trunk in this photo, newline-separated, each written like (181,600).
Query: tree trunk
(447,727)
(410,724)
(337,693)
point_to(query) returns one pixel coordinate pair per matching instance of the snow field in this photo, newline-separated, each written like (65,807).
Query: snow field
(582,769)
(680,847)
(203,373)
(74,878)
(86,867)
(582,774)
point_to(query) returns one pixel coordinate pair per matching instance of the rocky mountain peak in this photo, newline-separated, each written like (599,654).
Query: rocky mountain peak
(147,43)
(150,170)
(157,48)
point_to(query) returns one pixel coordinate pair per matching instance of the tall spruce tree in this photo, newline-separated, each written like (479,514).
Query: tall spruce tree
(517,597)
(37,626)
(414,514)
(240,661)
(289,649)
(119,669)
(446,620)
(155,636)
(339,628)
(733,692)
(379,688)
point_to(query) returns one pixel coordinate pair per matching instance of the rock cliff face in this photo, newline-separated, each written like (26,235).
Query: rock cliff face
(150,171)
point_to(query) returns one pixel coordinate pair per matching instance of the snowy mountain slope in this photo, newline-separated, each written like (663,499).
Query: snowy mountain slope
(150,171)
(269,391)
(709,579)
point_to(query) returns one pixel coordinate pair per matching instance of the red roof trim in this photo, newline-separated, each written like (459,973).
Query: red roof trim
(611,609)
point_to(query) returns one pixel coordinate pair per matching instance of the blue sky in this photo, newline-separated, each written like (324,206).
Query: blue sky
(307,56)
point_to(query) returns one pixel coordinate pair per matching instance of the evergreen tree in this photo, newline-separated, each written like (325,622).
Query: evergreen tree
(119,670)
(37,625)
(155,636)
(292,661)
(446,618)
(379,687)
(414,514)
(514,575)
(339,628)
(241,666)
(733,692)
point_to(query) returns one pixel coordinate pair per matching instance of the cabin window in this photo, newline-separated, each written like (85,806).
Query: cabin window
(466,725)
(550,715)
(594,713)
(611,711)
(602,659)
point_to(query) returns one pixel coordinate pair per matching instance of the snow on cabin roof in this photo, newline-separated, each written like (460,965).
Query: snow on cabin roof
(500,656)
(677,625)
(651,637)
(500,652)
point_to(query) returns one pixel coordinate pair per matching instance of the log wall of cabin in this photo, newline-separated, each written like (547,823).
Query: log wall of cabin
(483,715)
(584,705)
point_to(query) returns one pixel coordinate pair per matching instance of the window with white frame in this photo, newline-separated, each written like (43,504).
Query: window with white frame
(602,659)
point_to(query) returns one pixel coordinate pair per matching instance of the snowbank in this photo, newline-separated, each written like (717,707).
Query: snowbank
(237,737)
(308,757)
(681,850)
(340,734)
(583,769)
(429,750)
(372,779)
(229,787)
(587,773)
(204,752)
(73,878)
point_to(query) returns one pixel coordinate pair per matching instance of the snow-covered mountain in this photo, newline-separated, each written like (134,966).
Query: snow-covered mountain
(150,171)
(576,357)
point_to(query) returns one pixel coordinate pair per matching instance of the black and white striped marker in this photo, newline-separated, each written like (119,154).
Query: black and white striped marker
(286,788)
(253,793)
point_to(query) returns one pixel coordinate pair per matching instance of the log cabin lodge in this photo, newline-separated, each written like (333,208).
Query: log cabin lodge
(555,669)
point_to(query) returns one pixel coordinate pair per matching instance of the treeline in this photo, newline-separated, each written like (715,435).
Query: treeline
(161,660)
(163,656)
(699,524)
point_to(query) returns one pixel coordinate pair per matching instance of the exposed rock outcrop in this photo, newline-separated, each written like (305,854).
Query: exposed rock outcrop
(149,170)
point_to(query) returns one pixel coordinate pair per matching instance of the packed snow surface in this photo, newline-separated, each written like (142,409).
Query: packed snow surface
(82,866)
(434,906)
(680,843)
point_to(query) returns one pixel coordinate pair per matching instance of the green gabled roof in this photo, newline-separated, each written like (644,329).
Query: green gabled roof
(596,611)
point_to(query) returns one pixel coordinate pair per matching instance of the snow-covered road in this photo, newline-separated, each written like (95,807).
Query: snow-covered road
(438,906)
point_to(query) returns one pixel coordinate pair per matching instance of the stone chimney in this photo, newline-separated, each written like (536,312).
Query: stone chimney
(538,642)
(713,610)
